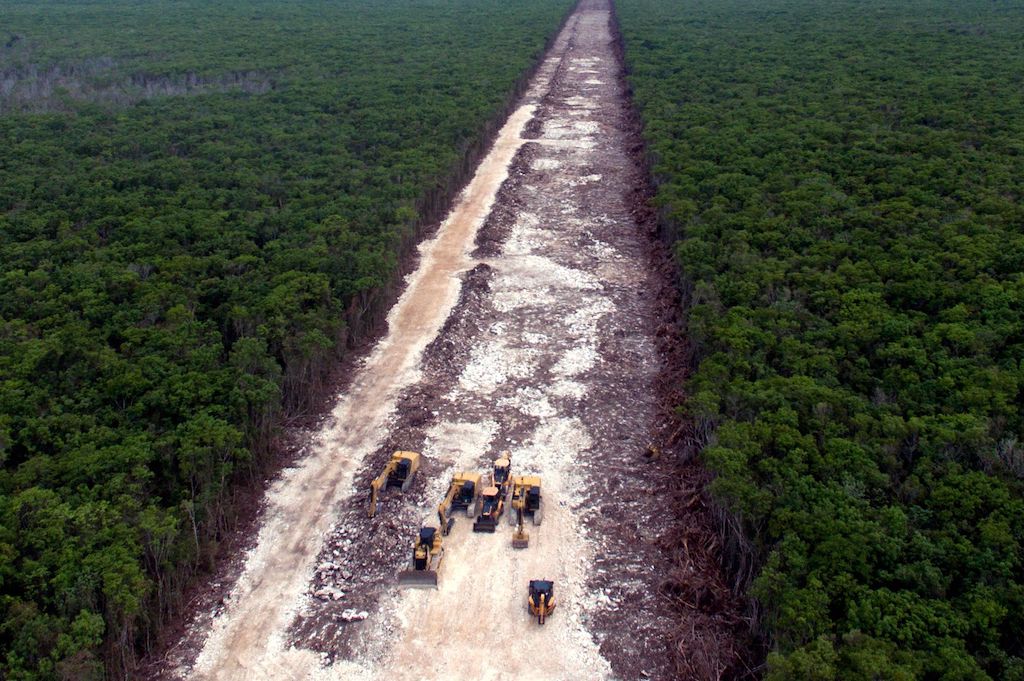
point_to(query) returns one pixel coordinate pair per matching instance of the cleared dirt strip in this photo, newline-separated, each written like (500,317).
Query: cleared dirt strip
(530,326)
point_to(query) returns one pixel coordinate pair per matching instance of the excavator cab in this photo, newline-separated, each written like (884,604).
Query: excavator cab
(541,598)
(398,472)
(533,501)
(466,495)
(404,470)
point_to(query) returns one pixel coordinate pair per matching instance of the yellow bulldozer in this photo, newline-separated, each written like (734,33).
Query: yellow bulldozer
(399,472)
(526,501)
(541,598)
(462,495)
(427,553)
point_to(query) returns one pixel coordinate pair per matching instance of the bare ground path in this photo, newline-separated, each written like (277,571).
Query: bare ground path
(528,327)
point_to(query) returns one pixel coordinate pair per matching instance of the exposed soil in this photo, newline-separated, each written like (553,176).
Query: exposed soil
(542,322)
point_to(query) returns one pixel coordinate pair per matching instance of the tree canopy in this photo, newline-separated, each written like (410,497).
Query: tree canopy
(844,181)
(194,196)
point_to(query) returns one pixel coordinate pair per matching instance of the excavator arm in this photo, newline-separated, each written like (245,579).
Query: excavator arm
(445,507)
(375,486)
(520,538)
(374,493)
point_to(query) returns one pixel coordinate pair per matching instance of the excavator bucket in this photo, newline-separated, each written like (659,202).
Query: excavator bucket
(484,524)
(520,540)
(417,579)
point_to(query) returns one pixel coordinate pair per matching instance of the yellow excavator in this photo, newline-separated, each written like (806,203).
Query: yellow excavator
(526,501)
(427,554)
(399,472)
(462,494)
(541,598)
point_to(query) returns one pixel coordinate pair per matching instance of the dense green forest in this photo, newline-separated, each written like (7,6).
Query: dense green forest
(844,181)
(194,197)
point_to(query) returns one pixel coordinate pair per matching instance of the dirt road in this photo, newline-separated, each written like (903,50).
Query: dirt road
(529,326)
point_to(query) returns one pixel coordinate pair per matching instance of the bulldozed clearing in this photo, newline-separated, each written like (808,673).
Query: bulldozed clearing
(531,326)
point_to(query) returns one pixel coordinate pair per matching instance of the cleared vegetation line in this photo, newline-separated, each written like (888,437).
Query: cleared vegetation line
(247,641)
(522,374)
(550,354)
(529,327)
